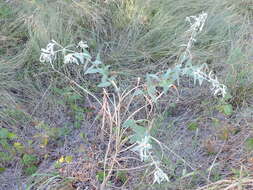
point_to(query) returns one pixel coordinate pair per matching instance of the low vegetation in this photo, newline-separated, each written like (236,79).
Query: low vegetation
(130,94)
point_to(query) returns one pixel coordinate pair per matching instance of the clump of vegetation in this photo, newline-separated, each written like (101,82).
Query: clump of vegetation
(125,94)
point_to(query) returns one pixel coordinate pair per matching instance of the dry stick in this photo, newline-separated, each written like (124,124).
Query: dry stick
(148,111)
(115,118)
(178,156)
(210,169)
(110,140)
(128,158)
(134,168)
(229,183)
(118,137)
(117,107)
(104,115)
(124,95)
(239,183)
(102,186)
(127,148)
(130,101)
(136,111)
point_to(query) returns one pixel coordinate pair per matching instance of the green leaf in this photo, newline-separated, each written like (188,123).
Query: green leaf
(92,70)
(139,129)
(153,76)
(166,75)
(2,170)
(105,70)
(4,133)
(151,88)
(5,144)
(75,108)
(112,78)
(166,84)
(129,123)
(227,109)
(5,157)
(86,55)
(249,144)
(101,175)
(227,96)
(139,132)
(122,176)
(12,136)
(29,159)
(152,92)
(79,57)
(104,84)
(192,126)
(30,170)
(74,97)
(18,146)
(97,61)
(175,73)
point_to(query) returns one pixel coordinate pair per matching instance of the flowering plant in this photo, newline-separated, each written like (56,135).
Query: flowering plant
(83,57)
(164,80)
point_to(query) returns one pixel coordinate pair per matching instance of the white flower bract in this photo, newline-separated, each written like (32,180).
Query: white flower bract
(48,55)
(160,176)
(196,25)
(217,87)
(83,45)
(200,73)
(197,22)
(74,58)
(70,59)
(143,148)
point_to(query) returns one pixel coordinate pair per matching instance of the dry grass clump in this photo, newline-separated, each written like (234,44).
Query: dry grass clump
(245,183)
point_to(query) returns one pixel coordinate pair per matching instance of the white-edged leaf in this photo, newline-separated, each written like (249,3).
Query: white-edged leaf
(92,70)
(104,84)
(129,123)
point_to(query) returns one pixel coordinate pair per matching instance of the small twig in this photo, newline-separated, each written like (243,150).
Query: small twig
(213,163)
